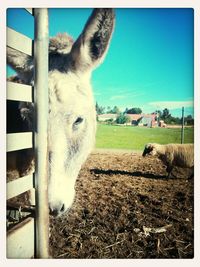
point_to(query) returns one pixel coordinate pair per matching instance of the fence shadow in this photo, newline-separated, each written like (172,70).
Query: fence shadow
(133,174)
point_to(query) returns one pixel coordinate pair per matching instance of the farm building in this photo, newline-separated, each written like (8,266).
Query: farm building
(105,117)
(149,120)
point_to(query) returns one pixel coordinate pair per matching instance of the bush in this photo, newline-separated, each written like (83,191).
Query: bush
(109,121)
(122,119)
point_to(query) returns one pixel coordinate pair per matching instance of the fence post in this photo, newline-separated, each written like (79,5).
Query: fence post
(182,129)
(41,108)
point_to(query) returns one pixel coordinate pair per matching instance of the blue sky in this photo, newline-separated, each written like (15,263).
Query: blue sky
(150,60)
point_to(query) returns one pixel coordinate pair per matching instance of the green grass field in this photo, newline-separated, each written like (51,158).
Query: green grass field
(128,137)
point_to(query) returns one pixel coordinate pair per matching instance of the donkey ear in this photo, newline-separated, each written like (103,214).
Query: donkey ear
(20,62)
(91,46)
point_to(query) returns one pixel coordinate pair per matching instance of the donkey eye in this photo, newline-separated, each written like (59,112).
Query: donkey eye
(79,120)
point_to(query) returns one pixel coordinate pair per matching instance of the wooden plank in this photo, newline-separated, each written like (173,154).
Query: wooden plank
(17,141)
(19,92)
(20,240)
(19,41)
(19,206)
(19,186)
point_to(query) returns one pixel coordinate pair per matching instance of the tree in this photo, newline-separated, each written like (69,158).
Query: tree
(122,119)
(189,120)
(173,120)
(169,119)
(126,110)
(134,111)
(165,114)
(99,109)
(159,112)
(115,110)
(108,109)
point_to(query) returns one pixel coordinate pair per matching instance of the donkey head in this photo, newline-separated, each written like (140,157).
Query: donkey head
(72,118)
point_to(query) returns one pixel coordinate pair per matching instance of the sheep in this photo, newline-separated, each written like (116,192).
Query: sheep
(180,155)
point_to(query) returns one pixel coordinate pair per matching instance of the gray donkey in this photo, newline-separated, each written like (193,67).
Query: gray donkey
(72,116)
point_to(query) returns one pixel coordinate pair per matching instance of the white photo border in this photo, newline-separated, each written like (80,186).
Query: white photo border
(195,4)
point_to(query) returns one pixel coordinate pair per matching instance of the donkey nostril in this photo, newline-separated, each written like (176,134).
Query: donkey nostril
(62,208)
(57,209)
(53,212)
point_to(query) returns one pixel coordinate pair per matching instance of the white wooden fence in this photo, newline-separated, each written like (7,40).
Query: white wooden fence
(29,238)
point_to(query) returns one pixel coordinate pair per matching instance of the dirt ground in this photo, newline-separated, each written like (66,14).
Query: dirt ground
(126,208)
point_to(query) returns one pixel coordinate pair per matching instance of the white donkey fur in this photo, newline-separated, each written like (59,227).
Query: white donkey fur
(72,116)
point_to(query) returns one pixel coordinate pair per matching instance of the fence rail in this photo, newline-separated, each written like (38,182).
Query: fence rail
(17,141)
(19,186)
(20,240)
(19,92)
(19,41)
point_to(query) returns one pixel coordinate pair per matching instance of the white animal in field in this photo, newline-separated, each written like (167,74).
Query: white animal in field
(72,115)
(179,155)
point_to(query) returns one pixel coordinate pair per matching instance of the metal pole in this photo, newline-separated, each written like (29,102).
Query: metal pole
(182,129)
(41,42)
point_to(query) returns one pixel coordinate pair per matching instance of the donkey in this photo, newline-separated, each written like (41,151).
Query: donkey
(72,116)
